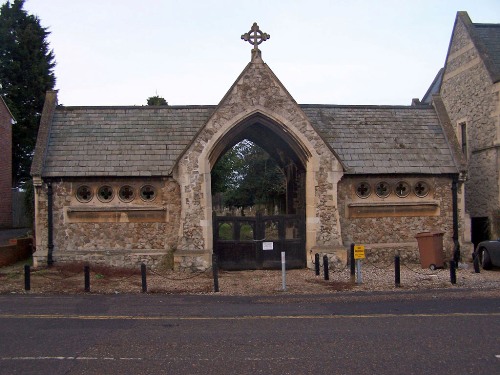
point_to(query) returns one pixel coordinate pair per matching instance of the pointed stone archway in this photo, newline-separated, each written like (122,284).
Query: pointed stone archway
(266,234)
(258,107)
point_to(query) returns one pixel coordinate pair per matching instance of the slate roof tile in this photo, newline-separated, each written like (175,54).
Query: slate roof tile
(395,139)
(146,141)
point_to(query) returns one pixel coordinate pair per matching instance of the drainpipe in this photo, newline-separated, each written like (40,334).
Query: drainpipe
(50,226)
(454,190)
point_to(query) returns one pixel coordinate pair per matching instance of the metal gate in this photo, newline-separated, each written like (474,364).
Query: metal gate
(247,243)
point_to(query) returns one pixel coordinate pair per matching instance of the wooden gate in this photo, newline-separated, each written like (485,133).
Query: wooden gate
(247,243)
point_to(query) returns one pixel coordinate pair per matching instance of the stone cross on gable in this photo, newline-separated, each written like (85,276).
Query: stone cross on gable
(255,36)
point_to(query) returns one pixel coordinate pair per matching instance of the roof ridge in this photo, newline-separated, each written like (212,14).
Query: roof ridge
(368,106)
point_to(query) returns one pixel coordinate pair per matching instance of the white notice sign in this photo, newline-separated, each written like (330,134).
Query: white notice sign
(267,245)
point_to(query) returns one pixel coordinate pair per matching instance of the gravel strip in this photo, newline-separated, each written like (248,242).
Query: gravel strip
(59,279)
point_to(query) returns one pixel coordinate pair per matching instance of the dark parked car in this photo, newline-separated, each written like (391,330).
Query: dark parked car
(489,253)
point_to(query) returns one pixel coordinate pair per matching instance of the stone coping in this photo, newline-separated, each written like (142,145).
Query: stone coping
(114,208)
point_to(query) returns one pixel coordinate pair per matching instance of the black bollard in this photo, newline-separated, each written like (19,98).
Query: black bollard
(143,277)
(475,257)
(353,264)
(325,267)
(27,277)
(316,263)
(453,272)
(215,270)
(86,271)
(397,271)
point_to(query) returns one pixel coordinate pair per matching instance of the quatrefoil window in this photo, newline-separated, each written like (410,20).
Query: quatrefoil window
(363,190)
(148,192)
(402,189)
(105,193)
(126,193)
(421,189)
(84,194)
(383,189)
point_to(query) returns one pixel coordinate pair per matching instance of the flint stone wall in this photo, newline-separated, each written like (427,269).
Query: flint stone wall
(470,96)
(113,233)
(384,236)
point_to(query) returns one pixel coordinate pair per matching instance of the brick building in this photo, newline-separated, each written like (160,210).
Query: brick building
(469,85)
(122,185)
(6,121)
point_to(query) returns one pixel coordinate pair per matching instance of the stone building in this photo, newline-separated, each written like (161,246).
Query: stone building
(123,185)
(469,85)
(6,121)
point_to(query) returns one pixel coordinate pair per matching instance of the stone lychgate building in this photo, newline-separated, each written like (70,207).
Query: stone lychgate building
(123,185)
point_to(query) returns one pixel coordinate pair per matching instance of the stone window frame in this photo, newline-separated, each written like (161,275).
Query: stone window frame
(418,192)
(399,192)
(148,199)
(130,190)
(387,189)
(102,198)
(79,196)
(363,189)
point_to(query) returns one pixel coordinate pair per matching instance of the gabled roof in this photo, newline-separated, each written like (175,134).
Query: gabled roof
(384,139)
(147,141)
(486,38)
(120,141)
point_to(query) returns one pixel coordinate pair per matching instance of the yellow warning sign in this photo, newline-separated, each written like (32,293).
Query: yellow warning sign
(359,252)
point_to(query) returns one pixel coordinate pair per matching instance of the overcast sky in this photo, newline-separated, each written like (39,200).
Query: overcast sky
(120,52)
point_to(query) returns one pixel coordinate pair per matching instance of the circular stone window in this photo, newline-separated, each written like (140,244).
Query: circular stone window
(421,189)
(148,192)
(402,189)
(84,194)
(383,189)
(126,193)
(105,193)
(363,189)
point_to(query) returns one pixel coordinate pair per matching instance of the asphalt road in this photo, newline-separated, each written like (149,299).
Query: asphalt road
(372,333)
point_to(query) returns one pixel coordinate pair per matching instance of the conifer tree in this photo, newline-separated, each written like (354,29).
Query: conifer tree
(26,73)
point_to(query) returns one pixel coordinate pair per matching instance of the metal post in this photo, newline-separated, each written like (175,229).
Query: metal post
(397,271)
(475,257)
(283,270)
(316,263)
(143,277)
(325,267)
(27,277)
(50,224)
(359,276)
(453,272)
(215,271)
(86,271)
(456,243)
(353,265)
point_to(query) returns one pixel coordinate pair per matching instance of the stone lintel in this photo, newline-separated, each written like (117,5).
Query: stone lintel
(393,209)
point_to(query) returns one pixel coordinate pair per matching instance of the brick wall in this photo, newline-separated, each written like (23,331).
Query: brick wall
(470,96)
(5,167)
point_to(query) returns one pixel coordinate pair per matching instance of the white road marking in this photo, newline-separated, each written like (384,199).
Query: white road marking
(55,358)
(245,317)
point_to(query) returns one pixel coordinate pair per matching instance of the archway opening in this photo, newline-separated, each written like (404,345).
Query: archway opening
(246,179)
(258,196)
